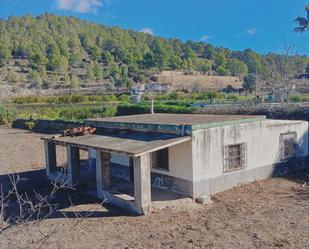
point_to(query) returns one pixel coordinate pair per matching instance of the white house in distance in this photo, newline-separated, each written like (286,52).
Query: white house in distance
(189,154)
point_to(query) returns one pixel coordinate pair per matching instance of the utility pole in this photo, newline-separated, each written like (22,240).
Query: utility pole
(152,106)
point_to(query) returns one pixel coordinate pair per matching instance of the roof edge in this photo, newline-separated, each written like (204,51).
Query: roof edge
(226,123)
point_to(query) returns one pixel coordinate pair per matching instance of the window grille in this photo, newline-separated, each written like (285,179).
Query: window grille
(234,157)
(288,145)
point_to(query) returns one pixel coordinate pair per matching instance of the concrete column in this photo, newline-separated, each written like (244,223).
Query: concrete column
(92,158)
(73,165)
(142,184)
(131,171)
(50,157)
(103,172)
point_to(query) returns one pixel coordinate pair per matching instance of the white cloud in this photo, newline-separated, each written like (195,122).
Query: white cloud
(81,6)
(205,38)
(147,31)
(251,31)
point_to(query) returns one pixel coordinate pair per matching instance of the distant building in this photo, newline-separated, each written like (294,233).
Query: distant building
(142,159)
(230,90)
(155,87)
(136,93)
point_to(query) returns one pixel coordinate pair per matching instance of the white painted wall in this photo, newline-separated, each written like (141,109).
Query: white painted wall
(120,159)
(115,158)
(262,140)
(180,162)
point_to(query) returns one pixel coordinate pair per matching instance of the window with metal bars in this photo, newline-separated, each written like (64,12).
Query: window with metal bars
(234,157)
(160,159)
(288,145)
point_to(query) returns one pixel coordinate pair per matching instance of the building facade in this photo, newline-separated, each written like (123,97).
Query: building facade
(195,155)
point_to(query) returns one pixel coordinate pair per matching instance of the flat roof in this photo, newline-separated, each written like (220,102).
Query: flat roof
(132,143)
(177,119)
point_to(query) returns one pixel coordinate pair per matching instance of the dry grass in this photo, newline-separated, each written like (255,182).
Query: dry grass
(198,81)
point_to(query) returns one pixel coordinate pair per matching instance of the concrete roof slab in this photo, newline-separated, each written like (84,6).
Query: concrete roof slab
(176,119)
(132,144)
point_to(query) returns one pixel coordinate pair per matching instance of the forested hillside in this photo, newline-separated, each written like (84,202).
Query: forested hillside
(56,51)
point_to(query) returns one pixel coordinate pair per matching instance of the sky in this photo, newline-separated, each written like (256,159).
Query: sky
(262,25)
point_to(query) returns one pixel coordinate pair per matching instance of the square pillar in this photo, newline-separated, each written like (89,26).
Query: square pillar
(142,184)
(92,158)
(131,169)
(50,157)
(103,171)
(73,165)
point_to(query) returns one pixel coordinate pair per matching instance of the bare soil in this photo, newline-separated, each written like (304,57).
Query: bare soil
(272,213)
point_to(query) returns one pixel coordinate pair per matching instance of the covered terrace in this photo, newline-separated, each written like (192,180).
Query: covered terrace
(137,146)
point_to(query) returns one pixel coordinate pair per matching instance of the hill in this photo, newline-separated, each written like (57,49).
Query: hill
(198,81)
(55,52)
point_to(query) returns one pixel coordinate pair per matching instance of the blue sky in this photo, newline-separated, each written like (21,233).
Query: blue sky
(263,25)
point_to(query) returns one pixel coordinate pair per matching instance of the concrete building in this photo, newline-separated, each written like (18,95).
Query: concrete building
(192,155)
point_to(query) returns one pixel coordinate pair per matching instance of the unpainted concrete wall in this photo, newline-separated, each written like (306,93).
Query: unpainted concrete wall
(262,140)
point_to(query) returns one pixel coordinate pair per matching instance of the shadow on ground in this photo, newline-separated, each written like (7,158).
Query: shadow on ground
(34,187)
(66,202)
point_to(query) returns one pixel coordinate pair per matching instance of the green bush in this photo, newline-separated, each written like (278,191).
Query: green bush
(124,97)
(208,95)
(30,125)
(66,99)
(295,98)
(142,108)
(85,112)
(69,113)
(177,95)
(232,97)
(130,109)
(6,115)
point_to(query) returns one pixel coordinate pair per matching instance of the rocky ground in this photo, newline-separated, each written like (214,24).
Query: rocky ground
(272,213)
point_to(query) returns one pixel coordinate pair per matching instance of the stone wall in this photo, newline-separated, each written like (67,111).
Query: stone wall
(46,126)
(285,111)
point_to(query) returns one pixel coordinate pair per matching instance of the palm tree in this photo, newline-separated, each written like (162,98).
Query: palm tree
(302,22)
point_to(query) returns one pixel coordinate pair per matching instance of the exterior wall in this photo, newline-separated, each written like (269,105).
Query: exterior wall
(178,178)
(120,159)
(196,167)
(262,140)
(180,161)
(120,166)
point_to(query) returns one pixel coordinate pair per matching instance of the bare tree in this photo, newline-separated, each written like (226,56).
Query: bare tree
(280,72)
(17,209)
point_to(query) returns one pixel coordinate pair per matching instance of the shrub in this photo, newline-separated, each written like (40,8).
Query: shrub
(232,97)
(131,109)
(6,115)
(11,77)
(124,97)
(74,83)
(69,113)
(29,125)
(142,108)
(177,95)
(65,99)
(34,78)
(295,98)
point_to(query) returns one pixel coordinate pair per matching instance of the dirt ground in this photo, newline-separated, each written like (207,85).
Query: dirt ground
(272,213)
